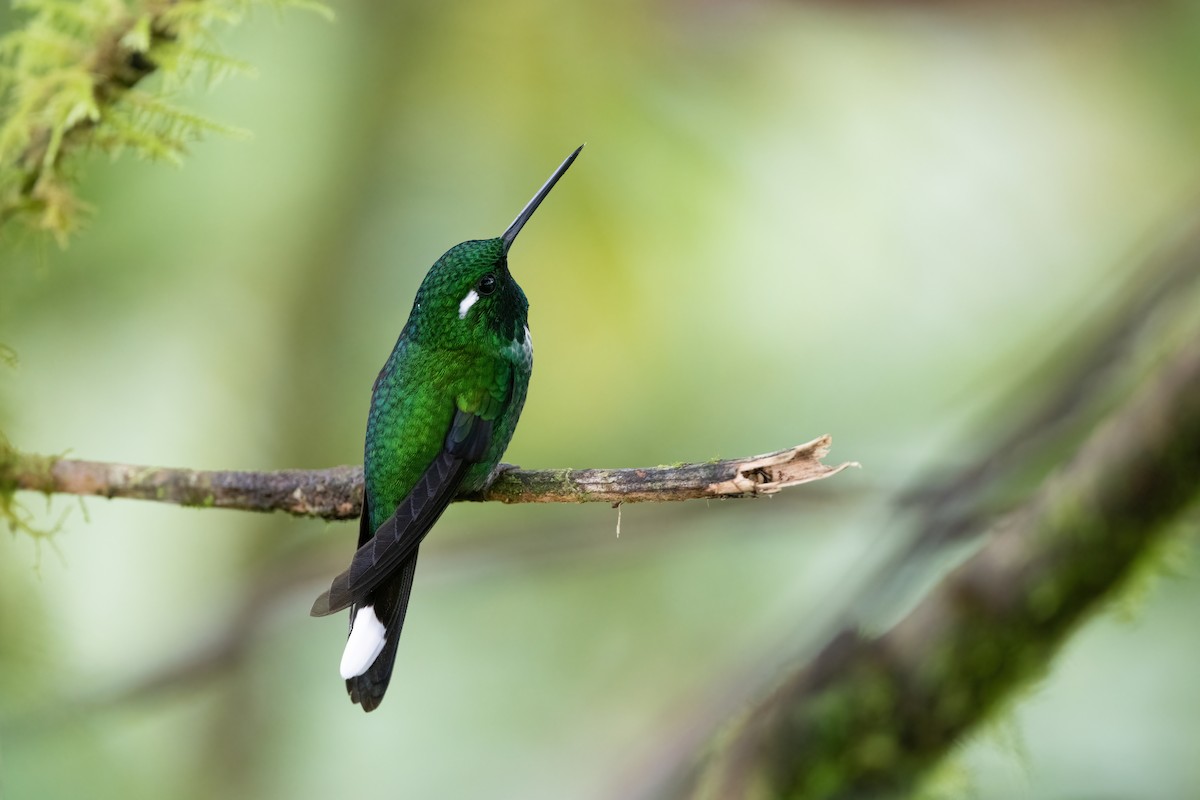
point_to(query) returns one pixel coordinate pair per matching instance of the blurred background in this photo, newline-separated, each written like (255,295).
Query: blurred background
(880,221)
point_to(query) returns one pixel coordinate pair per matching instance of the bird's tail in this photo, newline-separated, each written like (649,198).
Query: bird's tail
(374,634)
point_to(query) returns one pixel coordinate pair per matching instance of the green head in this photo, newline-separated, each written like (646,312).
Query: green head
(469,294)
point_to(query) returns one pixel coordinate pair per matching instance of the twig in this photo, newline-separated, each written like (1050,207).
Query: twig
(870,715)
(336,493)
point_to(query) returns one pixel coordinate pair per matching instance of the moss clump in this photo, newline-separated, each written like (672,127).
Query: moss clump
(17,517)
(70,81)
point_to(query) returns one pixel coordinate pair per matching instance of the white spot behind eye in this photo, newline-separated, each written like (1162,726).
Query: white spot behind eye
(467,302)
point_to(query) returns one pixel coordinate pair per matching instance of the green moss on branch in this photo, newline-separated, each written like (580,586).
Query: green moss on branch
(70,81)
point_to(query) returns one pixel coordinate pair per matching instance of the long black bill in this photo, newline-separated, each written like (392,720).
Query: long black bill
(527,211)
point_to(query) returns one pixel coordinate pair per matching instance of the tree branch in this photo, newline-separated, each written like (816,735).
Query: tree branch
(870,715)
(336,493)
(1085,366)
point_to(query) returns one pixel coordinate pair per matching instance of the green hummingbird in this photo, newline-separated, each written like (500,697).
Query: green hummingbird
(443,410)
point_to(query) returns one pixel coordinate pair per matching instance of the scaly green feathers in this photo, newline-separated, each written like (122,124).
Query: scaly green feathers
(455,353)
(443,410)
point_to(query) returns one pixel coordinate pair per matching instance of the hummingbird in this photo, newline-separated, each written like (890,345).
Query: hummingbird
(443,410)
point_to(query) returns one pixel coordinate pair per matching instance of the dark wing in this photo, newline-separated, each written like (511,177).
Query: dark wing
(397,539)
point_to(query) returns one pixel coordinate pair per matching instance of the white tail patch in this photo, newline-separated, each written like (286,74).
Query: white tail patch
(367,638)
(468,301)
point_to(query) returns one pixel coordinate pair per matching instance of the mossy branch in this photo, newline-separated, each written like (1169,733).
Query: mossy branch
(336,493)
(870,715)
(69,82)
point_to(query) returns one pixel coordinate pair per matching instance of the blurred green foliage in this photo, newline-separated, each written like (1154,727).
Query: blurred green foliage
(790,219)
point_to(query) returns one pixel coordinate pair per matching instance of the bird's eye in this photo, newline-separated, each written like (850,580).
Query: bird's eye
(487,285)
